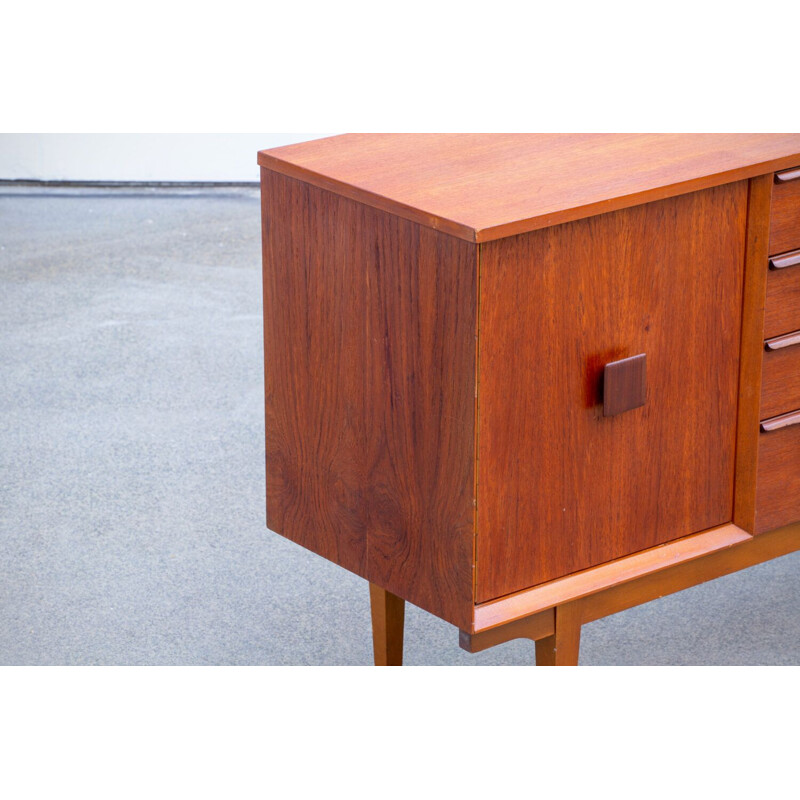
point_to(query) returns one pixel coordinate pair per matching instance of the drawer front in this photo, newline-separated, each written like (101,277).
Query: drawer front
(780,383)
(782,308)
(778,492)
(784,231)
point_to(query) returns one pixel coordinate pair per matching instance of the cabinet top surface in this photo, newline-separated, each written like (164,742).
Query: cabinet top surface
(484,186)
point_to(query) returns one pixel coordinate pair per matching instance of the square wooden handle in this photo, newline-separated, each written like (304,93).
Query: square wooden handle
(624,385)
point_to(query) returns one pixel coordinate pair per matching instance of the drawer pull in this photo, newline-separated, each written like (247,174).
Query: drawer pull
(790,259)
(783,421)
(624,385)
(779,342)
(788,175)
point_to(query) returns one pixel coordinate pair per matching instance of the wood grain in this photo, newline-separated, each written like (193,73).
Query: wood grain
(560,487)
(596,579)
(369,341)
(778,498)
(782,305)
(388,621)
(482,187)
(780,391)
(752,351)
(784,231)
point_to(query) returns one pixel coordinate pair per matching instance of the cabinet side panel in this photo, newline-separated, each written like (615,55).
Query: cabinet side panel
(369,339)
(315,392)
(561,487)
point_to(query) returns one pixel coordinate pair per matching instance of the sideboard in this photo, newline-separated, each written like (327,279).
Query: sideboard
(525,381)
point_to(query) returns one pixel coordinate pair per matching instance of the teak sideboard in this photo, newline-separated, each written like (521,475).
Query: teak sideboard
(525,381)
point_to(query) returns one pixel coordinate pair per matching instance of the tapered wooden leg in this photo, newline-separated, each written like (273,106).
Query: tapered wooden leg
(388,616)
(562,648)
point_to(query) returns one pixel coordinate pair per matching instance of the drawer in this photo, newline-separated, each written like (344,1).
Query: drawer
(780,384)
(778,486)
(782,307)
(784,228)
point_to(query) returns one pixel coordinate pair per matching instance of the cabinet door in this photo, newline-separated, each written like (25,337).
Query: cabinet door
(561,487)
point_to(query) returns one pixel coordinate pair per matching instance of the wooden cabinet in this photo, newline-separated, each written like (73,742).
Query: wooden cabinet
(516,379)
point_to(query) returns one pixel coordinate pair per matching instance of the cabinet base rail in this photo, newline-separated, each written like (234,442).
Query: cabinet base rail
(590,595)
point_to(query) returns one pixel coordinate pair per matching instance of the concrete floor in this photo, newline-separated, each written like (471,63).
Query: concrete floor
(132,466)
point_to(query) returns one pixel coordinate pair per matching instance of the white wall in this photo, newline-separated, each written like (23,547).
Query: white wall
(137,156)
